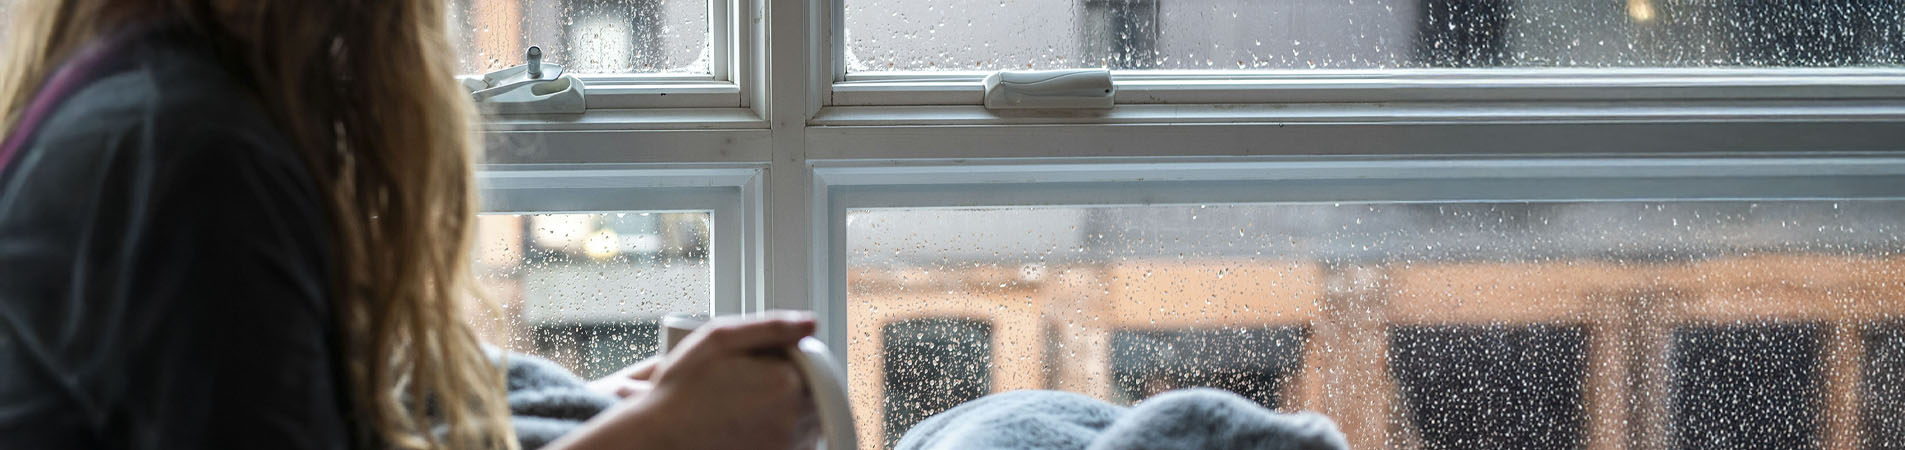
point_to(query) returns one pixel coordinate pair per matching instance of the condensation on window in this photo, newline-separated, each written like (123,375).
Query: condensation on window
(586,36)
(1413,325)
(587,290)
(901,35)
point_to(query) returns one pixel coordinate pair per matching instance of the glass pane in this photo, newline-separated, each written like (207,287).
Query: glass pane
(1884,407)
(587,290)
(1720,401)
(902,35)
(585,36)
(1413,325)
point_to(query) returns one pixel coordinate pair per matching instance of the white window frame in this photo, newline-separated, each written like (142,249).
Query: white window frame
(721,96)
(1385,179)
(1225,87)
(1150,87)
(814,142)
(727,194)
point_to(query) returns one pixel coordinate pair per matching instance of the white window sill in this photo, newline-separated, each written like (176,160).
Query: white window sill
(965,88)
(1406,112)
(630,119)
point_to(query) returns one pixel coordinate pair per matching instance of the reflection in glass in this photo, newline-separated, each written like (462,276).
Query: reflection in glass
(587,290)
(902,35)
(1414,325)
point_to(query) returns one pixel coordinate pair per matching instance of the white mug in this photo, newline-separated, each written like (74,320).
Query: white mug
(676,326)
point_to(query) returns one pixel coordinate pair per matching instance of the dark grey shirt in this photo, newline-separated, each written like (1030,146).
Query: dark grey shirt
(164,269)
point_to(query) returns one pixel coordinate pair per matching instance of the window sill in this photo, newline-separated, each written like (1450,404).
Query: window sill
(630,119)
(896,133)
(965,88)
(1368,113)
(630,136)
(711,94)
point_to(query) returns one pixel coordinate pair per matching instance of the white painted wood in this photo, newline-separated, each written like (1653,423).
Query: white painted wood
(728,243)
(788,257)
(598,188)
(1354,139)
(1441,169)
(706,94)
(721,32)
(1414,112)
(752,75)
(636,119)
(1482,180)
(596,175)
(753,281)
(1445,85)
(691,147)
(855,184)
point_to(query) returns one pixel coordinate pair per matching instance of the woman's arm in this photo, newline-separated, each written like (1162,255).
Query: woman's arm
(730,387)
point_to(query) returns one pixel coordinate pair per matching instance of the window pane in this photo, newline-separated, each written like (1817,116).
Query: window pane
(1510,386)
(587,290)
(585,36)
(902,35)
(1738,386)
(948,358)
(1414,325)
(1884,376)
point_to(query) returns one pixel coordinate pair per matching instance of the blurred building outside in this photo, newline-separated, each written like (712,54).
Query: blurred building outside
(1413,326)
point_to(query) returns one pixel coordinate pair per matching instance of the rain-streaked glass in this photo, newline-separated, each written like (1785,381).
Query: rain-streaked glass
(904,35)
(586,36)
(587,290)
(1688,325)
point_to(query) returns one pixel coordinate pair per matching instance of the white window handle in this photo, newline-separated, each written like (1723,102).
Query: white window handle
(1068,89)
(536,87)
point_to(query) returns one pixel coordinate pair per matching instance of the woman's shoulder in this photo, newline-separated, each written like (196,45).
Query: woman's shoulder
(170,101)
(164,241)
(166,118)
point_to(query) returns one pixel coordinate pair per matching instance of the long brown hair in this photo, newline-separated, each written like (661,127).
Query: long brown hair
(365,90)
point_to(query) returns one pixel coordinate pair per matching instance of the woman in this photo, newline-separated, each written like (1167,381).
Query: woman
(246,224)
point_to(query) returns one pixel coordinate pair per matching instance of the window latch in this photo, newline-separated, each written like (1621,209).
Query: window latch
(1064,89)
(536,87)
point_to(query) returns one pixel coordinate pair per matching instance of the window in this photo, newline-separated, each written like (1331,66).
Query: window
(895,35)
(587,290)
(1569,194)
(643,64)
(587,36)
(1416,325)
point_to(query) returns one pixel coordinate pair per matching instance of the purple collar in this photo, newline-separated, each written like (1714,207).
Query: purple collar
(82,69)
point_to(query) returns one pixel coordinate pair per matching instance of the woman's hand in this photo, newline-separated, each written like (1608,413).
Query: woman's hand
(730,386)
(631,381)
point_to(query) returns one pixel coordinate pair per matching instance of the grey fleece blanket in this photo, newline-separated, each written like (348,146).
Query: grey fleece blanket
(1187,419)
(546,401)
